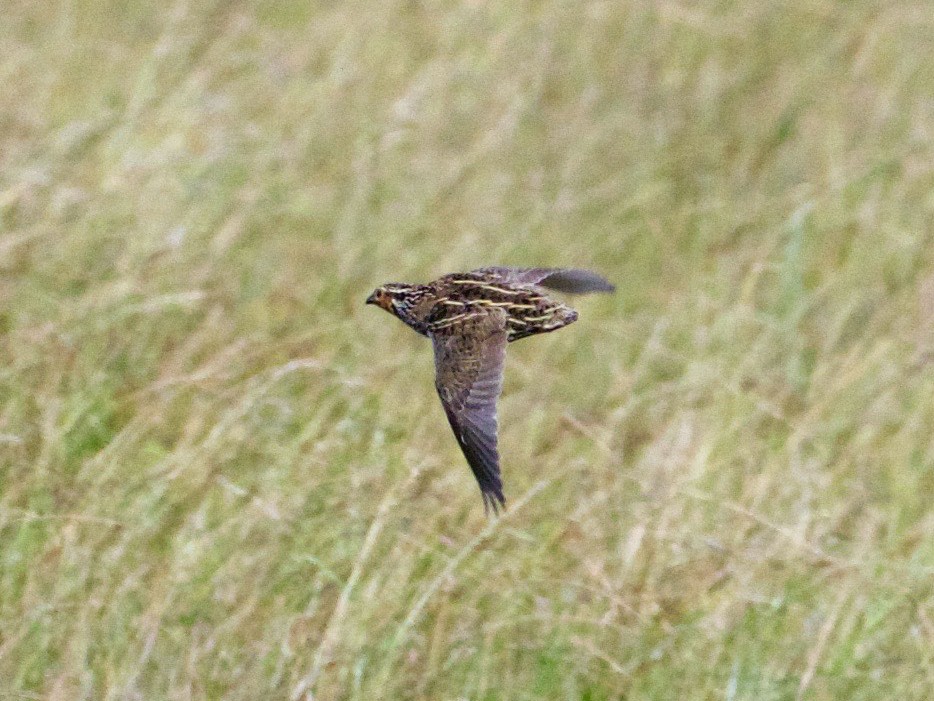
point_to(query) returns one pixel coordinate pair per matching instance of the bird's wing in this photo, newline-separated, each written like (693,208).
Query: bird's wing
(469,358)
(560,279)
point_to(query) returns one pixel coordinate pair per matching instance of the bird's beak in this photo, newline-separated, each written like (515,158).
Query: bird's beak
(371,299)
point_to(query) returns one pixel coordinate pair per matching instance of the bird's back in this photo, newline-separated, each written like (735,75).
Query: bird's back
(529,309)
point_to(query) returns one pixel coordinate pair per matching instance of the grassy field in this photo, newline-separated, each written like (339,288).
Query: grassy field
(223,477)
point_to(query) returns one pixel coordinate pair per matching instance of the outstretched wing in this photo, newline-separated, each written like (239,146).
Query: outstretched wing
(469,357)
(561,279)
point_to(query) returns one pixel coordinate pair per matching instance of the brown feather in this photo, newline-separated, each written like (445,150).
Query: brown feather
(469,360)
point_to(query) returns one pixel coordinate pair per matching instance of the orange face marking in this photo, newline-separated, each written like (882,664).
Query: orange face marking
(381,299)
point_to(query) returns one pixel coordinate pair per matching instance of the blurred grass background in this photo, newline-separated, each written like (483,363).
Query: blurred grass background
(221,476)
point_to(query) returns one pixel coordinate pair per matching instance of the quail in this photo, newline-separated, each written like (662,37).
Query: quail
(470,317)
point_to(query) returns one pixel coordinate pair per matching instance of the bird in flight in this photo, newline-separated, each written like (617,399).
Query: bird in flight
(470,317)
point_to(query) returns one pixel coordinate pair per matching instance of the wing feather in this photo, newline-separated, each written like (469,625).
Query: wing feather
(469,359)
(573,280)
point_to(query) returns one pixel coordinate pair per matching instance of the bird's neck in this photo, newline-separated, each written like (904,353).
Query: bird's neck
(415,312)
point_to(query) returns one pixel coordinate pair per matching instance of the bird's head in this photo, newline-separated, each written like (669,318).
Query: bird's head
(397,298)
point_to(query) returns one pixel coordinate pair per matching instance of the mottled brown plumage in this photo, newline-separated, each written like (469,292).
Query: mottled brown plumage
(470,317)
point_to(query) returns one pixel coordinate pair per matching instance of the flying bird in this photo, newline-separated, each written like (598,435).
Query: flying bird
(470,317)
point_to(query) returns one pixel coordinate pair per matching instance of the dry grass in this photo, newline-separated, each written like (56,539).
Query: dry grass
(221,476)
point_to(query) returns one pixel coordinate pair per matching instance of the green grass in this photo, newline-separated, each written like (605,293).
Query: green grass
(222,476)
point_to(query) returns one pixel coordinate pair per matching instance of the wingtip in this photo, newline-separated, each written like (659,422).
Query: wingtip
(601,284)
(493,501)
(577,281)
